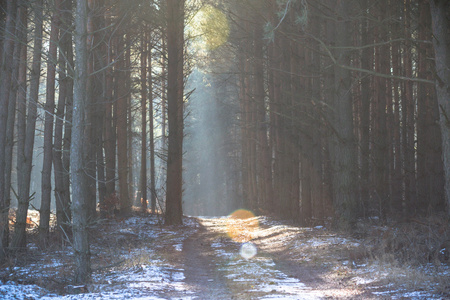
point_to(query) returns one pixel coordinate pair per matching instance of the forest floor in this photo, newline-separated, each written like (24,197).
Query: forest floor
(221,258)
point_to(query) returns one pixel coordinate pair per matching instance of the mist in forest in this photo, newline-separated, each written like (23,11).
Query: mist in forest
(208,161)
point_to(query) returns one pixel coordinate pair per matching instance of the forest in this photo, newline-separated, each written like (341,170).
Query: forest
(316,112)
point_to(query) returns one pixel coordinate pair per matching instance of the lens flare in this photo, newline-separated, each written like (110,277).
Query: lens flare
(248,250)
(241,226)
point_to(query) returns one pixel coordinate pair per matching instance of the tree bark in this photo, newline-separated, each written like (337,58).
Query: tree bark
(61,172)
(264,158)
(67,6)
(17,93)
(79,134)
(441,41)
(109,128)
(26,145)
(175,91)
(5,83)
(152,134)
(46,184)
(343,154)
(122,130)
(143,175)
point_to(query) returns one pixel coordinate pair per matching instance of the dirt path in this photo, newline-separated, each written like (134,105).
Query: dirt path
(215,270)
(201,268)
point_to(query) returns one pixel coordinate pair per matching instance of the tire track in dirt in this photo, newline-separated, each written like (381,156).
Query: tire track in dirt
(200,268)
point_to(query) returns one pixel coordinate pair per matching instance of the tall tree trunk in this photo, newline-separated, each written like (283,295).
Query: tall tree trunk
(152,134)
(92,117)
(79,134)
(441,41)
(122,129)
(175,93)
(67,7)
(18,82)
(409,121)
(60,172)
(264,157)
(49,108)
(343,154)
(5,83)
(26,145)
(131,185)
(380,139)
(397,176)
(430,174)
(109,128)
(143,175)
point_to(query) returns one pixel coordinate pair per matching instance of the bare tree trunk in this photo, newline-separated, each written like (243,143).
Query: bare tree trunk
(264,158)
(409,118)
(67,7)
(25,146)
(441,41)
(286,141)
(397,177)
(175,93)
(122,130)
(343,161)
(49,108)
(430,173)
(18,81)
(164,95)
(61,171)
(143,175)
(79,134)
(109,129)
(152,135)
(380,139)
(5,83)
(131,185)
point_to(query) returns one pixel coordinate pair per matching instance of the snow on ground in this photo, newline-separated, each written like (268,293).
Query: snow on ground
(139,259)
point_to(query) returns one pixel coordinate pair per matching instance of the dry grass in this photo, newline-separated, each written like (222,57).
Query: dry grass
(409,253)
(414,241)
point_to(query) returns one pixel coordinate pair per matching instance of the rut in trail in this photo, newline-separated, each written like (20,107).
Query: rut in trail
(200,267)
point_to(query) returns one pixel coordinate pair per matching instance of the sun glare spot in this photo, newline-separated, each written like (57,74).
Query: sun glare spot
(248,250)
(241,225)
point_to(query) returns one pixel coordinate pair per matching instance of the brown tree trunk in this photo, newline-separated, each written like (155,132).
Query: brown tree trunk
(380,138)
(175,93)
(5,83)
(62,119)
(25,149)
(343,157)
(440,24)
(152,135)
(49,108)
(397,174)
(122,129)
(79,134)
(109,128)
(408,114)
(430,174)
(264,157)
(143,175)
(18,90)
(92,117)
(67,7)
(131,185)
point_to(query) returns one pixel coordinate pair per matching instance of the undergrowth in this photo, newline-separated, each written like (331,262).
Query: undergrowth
(412,253)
